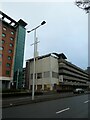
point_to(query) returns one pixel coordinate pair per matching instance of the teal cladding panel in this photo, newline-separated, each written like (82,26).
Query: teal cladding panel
(19,55)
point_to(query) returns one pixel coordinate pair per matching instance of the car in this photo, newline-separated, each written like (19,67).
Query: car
(78,90)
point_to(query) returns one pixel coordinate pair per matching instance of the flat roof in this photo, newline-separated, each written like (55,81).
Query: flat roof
(11,21)
(61,55)
(21,22)
(50,54)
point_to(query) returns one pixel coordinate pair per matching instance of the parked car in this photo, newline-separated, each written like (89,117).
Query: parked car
(78,90)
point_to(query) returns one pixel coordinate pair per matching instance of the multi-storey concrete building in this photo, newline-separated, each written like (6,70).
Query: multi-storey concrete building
(12,39)
(54,72)
(46,73)
(72,75)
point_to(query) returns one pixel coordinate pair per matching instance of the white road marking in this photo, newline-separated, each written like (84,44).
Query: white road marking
(62,110)
(87,101)
(11,104)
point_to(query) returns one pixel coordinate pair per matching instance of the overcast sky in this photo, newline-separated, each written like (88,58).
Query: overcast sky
(65,31)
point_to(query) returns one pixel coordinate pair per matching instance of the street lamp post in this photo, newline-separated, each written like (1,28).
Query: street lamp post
(35,42)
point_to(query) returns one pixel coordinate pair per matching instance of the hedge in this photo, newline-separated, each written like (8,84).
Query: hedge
(19,94)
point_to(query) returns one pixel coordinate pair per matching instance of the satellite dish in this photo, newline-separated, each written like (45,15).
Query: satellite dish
(83,4)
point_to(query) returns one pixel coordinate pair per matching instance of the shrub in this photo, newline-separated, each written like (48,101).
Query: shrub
(16,93)
(60,91)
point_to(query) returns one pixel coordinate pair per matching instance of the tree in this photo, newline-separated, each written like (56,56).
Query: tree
(83,4)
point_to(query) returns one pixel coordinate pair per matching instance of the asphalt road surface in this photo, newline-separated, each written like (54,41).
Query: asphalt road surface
(72,107)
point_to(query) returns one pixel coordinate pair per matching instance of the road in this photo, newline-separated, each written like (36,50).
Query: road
(14,101)
(71,107)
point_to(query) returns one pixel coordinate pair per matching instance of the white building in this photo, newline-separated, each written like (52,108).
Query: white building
(46,72)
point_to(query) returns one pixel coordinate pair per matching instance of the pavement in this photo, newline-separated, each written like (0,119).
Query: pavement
(11,102)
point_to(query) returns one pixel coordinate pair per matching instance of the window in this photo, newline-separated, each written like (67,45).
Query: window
(11,45)
(54,74)
(10,51)
(12,32)
(1,48)
(8,64)
(4,28)
(0,55)
(31,76)
(11,38)
(3,35)
(39,75)
(9,58)
(3,41)
(0,63)
(46,74)
(7,72)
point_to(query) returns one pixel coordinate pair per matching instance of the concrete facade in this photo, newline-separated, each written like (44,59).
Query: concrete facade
(46,72)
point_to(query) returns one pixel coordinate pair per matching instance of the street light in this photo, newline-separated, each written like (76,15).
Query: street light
(35,42)
(37,27)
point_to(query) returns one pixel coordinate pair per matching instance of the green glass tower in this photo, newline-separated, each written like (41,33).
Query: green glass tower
(19,53)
